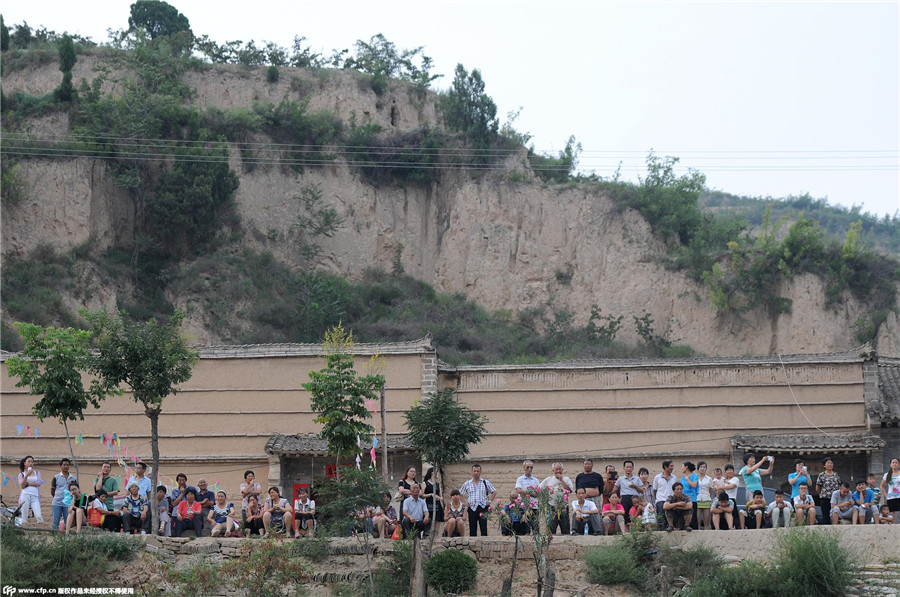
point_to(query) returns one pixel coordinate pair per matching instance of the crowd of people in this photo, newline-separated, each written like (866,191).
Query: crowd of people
(591,504)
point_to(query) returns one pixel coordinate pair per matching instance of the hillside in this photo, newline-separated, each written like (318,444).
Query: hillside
(353,201)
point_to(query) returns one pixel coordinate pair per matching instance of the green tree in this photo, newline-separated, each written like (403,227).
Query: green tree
(670,203)
(54,361)
(469,110)
(442,430)
(151,358)
(4,35)
(67,60)
(339,396)
(382,60)
(193,199)
(157,19)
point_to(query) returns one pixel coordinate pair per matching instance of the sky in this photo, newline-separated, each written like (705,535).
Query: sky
(767,99)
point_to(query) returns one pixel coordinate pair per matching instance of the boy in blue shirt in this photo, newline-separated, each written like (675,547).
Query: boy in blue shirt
(864,499)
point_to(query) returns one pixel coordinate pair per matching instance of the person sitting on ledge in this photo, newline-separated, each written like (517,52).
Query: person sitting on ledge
(165,518)
(223,518)
(415,513)
(304,514)
(135,510)
(78,509)
(678,509)
(779,513)
(277,514)
(384,517)
(614,515)
(189,514)
(722,510)
(842,506)
(805,505)
(584,513)
(754,516)
(253,518)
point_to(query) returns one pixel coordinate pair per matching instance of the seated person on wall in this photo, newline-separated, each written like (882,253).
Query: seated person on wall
(650,515)
(362,522)
(678,509)
(636,513)
(866,507)
(178,492)
(189,514)
(78,509)
(165,519)
(584,512)
(515,520)
(304,513)
(223,517)
(842,506)
(885,516)
(754,515)
(779,513)
(614,515)
(135,510)
(384,517)
(277,514)
(100,505)
(415,513)
(805,506)
(456,516)
(249,487)
(253,518)
(722,511)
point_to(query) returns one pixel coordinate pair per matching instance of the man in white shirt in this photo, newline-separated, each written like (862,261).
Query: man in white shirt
(527,486)
(662,488)
(585,511)
(477,493)
(560,487)
(415,513)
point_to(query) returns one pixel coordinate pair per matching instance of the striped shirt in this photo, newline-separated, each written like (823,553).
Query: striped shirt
(478,492)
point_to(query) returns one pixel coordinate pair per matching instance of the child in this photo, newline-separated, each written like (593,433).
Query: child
(637,510)
(871,483)
(722,508)
(779,513)
(886,516)
(649,517)
(864,499)
(516,523)
(756,508)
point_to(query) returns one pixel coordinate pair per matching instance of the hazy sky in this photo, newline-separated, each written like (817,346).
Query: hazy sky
(766,99)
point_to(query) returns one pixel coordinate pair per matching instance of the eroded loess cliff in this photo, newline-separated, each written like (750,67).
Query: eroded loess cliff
(507,245)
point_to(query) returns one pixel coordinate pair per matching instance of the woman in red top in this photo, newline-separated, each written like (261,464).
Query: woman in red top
(189,514)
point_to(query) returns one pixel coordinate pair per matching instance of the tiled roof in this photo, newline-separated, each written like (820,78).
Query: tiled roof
(857,355)
(808,442)
(886,406)
(310,444)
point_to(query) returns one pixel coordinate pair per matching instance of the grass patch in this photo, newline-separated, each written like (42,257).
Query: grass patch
(36,560)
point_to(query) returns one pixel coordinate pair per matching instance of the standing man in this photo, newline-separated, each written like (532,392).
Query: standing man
(58,488)
(560,487)
(630,487)
(145,486)
(527,486)
(609,486)
(106,482)
(662,489)
(591,482)
(207,498)
(478,493)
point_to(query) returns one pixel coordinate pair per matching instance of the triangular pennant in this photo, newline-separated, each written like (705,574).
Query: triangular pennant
(36,434)
(27,430)
(373,455)
(358,462)
(374,442)
(20,429)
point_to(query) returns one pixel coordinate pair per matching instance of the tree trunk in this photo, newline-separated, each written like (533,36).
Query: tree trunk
(384,449)
(154,447)
(507,583)
(72,452)
(550,583)
(417,580)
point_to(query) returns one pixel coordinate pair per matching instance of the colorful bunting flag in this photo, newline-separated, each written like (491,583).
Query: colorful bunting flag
(374,442)
(358,462)
(27,430)
(20,429)
(373,455)
(36,434)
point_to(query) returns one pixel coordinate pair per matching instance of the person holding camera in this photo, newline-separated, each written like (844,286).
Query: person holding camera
(752,472)
(801,475)
(609,485)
